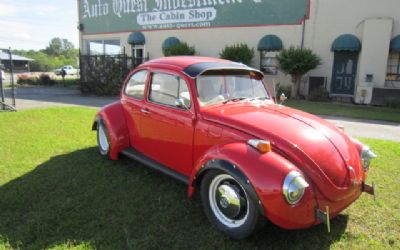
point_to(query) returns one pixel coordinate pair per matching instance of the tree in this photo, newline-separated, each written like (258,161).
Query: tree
(55,47)
(58,46)
(297,62)
(238,53)
(179,49)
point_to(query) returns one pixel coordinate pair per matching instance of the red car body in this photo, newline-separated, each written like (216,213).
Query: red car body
(185,141)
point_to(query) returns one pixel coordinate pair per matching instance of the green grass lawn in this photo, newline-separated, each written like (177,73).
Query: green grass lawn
(347,110)
(57,192)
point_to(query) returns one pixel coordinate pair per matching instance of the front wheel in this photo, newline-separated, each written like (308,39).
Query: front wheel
(228,206)
(103,140)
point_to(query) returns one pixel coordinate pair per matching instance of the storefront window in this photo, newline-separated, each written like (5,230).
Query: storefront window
(393,71)
(112,47)
(269,63)
(95,47)
(104,47)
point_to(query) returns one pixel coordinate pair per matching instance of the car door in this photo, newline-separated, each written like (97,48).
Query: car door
(167,130)
(132,101)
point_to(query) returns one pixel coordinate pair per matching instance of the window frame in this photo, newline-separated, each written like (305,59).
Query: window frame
(151,77)
(103,45)
(145,84)
(392,76)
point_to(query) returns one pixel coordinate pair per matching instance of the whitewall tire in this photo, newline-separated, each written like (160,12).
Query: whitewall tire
(228,206)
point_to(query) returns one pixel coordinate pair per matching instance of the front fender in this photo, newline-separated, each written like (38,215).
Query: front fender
(114,118)
(265,173)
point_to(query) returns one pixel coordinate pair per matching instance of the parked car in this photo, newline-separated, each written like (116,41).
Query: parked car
(69,70)
(212,124)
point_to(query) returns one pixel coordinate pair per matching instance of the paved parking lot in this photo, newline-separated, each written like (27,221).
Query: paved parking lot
(42,97)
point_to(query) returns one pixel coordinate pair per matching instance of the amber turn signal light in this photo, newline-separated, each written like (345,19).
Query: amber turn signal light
(261,145)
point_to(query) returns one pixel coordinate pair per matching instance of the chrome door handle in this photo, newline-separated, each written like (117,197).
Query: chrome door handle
(146,111)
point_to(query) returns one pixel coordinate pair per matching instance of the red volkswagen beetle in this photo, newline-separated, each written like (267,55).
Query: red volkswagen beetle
(213,125)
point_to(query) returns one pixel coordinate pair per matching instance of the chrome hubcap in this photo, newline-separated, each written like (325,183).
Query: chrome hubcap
(228,201)
(103,142)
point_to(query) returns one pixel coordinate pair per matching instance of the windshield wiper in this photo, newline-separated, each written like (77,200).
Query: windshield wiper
(234,99)
(259,98)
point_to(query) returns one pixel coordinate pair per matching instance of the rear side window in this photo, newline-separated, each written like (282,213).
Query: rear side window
(166,88)
(135,86)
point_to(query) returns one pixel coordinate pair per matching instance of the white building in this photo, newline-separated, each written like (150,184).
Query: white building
(357,40)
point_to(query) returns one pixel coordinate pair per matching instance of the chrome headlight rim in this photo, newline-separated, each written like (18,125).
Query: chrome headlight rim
(366,156)
(292,180)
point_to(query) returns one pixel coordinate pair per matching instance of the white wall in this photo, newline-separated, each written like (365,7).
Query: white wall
(330,19)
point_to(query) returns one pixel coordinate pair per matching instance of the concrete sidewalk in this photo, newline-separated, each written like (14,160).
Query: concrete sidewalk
(43,97)
(367,128)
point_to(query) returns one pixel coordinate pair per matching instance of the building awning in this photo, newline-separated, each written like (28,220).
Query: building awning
(136,38)
(170,41)
(346,42)
(270,43)
(395,44)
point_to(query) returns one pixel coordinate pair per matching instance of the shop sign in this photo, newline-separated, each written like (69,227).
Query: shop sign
(99,16)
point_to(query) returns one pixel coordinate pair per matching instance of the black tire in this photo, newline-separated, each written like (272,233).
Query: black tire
(249,219)
(103,138)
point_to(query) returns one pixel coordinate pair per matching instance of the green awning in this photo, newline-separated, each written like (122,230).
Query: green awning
(136,38)
(395,44)
(346,42)
(270,43)
(170,41)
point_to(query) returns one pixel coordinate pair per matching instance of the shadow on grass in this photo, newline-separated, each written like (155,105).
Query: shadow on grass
(82,198)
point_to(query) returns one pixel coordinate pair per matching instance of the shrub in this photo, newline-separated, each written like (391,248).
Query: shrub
(238,53)
(297,62)
(25,79)
(106,78)
(180,49)
(45,79)
(319,95)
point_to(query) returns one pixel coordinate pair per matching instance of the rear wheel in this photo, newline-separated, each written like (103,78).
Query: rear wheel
(103,140)
(228,206)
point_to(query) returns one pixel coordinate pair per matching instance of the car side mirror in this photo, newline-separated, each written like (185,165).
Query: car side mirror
(282,98)
(180,103)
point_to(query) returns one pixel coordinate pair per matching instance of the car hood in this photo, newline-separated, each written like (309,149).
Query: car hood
(317,147)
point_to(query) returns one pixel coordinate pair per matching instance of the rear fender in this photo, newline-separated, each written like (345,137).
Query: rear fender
(262,175)
(113,117)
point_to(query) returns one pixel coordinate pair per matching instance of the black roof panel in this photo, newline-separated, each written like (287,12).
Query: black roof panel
(196,69)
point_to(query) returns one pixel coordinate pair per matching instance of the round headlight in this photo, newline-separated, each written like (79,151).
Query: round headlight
(293,187)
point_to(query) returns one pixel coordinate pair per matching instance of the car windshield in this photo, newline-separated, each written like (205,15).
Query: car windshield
(223,88)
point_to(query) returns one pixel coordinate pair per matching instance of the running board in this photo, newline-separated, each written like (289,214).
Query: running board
(137,156)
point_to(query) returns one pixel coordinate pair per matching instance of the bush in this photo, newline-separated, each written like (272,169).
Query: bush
(180,49)
(105,79)
(238,53)
(319,95)
(43,79)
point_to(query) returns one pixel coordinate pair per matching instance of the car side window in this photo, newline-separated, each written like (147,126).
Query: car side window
(135,86)
(166,88)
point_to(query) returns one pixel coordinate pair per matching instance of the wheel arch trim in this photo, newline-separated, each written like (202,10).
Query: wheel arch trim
(235,172)
(113,117)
